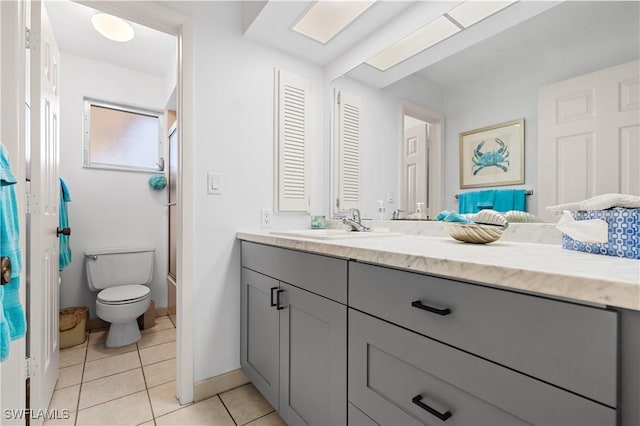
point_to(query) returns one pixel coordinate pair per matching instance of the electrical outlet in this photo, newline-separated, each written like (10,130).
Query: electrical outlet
(266,215)
(391,196)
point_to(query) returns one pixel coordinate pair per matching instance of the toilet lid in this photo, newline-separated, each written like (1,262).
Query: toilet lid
(123,294)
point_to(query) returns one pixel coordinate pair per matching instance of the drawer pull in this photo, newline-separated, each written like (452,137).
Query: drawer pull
(442,416)
(418,304)
(278,293)
(272,302)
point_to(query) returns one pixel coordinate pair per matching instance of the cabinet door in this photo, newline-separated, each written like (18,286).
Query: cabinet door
(259,333)
(313,359)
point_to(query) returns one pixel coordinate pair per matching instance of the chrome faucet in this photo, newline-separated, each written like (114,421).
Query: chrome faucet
(396,214)
(355,222)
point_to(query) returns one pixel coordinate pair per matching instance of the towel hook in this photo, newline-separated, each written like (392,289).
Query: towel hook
(91,256)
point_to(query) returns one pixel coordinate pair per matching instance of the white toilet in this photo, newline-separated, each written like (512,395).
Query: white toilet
(122,277)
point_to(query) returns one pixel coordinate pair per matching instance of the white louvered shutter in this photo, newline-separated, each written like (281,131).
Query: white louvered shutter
(293,144)
(348,151)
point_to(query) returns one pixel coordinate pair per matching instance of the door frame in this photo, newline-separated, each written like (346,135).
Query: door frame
(12,133)
(161,18)
(436,139)
(171,21)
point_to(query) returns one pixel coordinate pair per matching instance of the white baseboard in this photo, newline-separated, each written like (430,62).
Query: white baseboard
(218,384)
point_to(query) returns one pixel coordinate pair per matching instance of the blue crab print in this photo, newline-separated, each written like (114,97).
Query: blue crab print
(498,158)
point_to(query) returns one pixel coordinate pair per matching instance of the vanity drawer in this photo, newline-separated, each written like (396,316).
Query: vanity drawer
(568,345)
(323,275)
(390,368)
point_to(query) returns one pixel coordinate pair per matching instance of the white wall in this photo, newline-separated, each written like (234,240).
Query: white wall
(233,134)
(108,208)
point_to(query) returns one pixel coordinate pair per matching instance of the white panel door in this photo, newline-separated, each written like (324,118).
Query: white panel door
(44,203)
(589,137)
(414,168)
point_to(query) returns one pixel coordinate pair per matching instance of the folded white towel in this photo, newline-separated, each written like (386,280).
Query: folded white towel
(601,202)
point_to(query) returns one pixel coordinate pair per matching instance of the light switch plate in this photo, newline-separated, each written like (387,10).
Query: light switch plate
(214,183)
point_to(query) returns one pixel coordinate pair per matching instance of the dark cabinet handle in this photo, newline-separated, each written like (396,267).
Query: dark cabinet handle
(272,290)
(278,293)
(65,231)
(442,416)
(418,304)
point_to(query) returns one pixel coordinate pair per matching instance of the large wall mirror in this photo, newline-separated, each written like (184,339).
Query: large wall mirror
(492,81)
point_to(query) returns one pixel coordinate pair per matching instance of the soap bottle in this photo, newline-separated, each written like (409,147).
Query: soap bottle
(419,214)
(380,209)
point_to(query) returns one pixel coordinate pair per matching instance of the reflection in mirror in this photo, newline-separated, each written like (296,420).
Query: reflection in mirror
(493,81)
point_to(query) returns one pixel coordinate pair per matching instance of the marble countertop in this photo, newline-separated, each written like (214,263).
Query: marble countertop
(544,269)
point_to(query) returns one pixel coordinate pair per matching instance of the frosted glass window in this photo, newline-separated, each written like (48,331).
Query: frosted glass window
(118,137)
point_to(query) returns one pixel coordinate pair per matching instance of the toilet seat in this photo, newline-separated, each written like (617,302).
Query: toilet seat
(124,294)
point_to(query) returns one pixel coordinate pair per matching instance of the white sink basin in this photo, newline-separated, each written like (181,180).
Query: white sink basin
(332,234)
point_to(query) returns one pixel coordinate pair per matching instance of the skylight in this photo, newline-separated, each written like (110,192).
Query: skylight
(327,18)
(422,39)
(457,19)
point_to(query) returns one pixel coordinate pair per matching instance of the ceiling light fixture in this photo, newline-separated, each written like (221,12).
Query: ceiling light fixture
(325,19)
(427,36)
(112,27)
(471,12)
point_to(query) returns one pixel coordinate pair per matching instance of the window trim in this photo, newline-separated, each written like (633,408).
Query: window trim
(86,160)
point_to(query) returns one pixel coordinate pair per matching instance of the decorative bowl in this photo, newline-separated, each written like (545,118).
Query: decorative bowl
(488,228)
(474,232)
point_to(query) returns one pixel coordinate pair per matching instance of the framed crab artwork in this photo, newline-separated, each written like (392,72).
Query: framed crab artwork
(493,155)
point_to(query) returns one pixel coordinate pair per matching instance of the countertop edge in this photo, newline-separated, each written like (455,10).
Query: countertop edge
(577,288)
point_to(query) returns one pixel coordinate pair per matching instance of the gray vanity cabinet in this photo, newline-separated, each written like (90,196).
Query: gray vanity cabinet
(569,345)
(398,377)
(313,355)
(419,349)
(259,345)
(294,341)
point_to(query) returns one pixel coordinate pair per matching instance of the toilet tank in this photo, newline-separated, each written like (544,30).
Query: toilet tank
(121,266)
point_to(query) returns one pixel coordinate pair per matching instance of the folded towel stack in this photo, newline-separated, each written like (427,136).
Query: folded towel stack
(600,202)
(12,320)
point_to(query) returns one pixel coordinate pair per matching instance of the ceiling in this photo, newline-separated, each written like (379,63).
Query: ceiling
(581,27)
(272,25)
(384,23)
(380,26)
(150,51)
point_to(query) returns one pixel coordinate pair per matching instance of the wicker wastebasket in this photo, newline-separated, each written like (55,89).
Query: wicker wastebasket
(73,326)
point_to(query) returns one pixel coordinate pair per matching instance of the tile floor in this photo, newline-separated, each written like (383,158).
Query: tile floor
(135,385)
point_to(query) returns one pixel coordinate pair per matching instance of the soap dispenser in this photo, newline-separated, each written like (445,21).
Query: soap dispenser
(380,209)
(419,213)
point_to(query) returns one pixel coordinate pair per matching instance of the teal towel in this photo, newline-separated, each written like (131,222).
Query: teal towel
(447,216)
(63,218)
(510,199)
(4,330)
(468,202)
(501,200)
(13,313)
(486,199)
